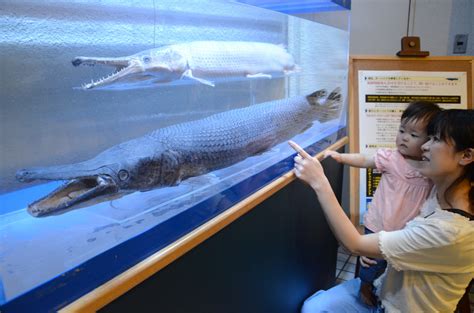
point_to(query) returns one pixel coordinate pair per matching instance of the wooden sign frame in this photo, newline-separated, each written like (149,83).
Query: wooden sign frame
(393,63)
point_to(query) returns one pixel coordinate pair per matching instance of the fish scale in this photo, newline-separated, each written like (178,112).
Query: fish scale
(234,135)
(213,58)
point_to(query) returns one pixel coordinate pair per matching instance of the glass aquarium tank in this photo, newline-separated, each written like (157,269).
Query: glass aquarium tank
(127,124)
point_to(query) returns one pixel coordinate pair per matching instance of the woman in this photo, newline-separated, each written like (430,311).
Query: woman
(431,260)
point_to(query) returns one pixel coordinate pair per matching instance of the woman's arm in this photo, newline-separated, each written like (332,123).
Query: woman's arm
(310,170)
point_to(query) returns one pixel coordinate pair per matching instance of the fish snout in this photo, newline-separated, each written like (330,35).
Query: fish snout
(86,61)
(24,175)
(36,211)
(77,61)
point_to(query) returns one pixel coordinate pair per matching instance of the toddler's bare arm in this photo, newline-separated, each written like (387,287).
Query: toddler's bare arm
(353,159)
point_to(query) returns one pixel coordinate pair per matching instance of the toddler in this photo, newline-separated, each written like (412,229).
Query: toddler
(401,190)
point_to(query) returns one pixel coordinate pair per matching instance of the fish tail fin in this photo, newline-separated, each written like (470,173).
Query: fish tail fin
(316,97)
(331,106)
(335,95)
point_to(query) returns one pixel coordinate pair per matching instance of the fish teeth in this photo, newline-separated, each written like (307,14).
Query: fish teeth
(100,80)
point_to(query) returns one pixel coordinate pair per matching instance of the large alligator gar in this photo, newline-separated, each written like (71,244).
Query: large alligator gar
(202,61)
(168,155)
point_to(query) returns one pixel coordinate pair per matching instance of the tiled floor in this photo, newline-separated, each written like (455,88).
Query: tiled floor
(346,263)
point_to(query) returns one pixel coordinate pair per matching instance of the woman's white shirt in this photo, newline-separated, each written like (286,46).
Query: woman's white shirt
(430,261)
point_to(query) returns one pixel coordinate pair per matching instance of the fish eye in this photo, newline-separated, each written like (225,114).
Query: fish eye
(146,59)
(123,175)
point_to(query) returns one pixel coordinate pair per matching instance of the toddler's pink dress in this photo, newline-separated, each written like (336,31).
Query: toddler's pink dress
(400,194)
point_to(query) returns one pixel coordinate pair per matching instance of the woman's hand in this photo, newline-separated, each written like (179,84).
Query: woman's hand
(308,169)
(366,262)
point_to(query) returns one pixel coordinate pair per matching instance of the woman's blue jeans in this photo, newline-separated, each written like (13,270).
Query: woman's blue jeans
(339,299)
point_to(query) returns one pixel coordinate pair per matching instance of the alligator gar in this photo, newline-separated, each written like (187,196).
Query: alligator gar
(201,61)
(168,155)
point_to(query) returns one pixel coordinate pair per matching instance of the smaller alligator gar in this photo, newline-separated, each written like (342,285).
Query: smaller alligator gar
(168,155)
(201,61)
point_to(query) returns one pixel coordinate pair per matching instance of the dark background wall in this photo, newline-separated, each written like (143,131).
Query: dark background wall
(269,260)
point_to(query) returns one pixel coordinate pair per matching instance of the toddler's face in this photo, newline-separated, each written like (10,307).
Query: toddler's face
(410,137)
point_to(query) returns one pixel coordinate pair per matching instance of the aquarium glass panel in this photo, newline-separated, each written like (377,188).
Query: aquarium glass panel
(127,124)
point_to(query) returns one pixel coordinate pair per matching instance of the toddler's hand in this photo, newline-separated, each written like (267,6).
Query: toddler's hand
(366,262)
(333,154)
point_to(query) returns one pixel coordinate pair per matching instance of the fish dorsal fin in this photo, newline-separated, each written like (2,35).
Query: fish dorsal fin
(316,97)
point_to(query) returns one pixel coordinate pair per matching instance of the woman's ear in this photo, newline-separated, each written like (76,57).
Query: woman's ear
(467,156)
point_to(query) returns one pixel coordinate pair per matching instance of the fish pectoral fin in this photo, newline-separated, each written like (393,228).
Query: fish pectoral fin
(259,75)
(189,74)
